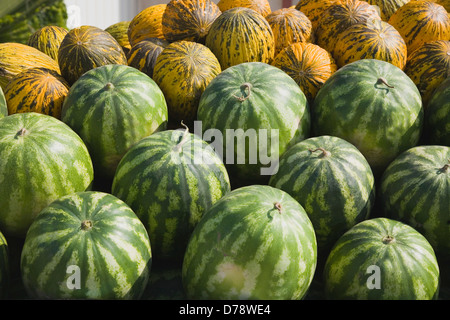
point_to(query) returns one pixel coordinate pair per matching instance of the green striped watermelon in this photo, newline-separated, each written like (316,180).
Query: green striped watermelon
(437,115)
(112,107)
(415,189)
(86,245)
(3,105)
(333,182)
(170,179)
(382,259)
(256,242)
(41,160)
(375,106)
(255,112)
(4,267)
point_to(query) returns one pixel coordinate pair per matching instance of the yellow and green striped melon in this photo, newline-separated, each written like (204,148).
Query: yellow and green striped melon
(85,48)
(261,6)
(338,17)
(289,26)
(189,20)
(314,9)
(183,70)
(119,31)
(371,40)
(308,64)
(48,40)
(387,7)
(428,66)
(37,90)
(421,21)
(17,57)
(147,24)
(241,35)
(143,54)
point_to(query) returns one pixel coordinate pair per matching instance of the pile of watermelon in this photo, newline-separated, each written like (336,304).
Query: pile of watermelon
(227,151)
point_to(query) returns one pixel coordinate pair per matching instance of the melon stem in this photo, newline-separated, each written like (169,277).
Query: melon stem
(445,168)
(383,81)
(277,206)
(86,225)
(247,86)
(325,153)
(183,139)
(388,239)
(22,132)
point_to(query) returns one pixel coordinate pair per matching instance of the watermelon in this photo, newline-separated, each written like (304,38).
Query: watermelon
(4,267)
(437,115)
(41,160)
(170,179)
(381,259)
(333,182)
(164,284)
(257,102)
(112,107)
(3,105)
(256,242)
(373,105)
(415,189)
(86,245)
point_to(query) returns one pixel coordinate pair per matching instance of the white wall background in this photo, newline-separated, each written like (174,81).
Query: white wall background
(103,13)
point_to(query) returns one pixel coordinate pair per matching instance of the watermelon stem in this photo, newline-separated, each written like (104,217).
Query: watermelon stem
(183,139)
(325,153)
(86,225)
(22,132)
(446,167)
(109,86)
(388,239)
(247,86)
(277,206)
(383,81)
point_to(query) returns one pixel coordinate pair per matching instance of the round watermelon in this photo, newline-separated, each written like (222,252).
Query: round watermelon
(112,107)
(4,267)
(415,189)
(256,242)
(170,179)
(381,259)
(333,182)
(437,115)
(41,160)
(86,245)
(375,106)
(252,112)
